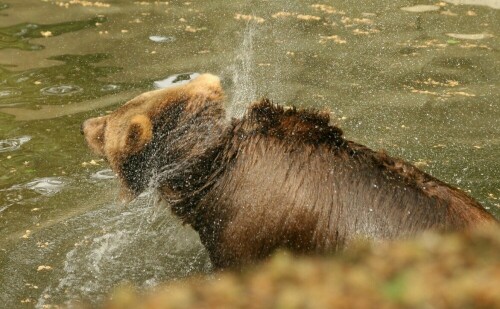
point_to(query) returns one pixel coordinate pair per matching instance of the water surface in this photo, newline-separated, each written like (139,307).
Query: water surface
(420,80)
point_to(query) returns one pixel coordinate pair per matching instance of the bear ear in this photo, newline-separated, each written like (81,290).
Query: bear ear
(139,133)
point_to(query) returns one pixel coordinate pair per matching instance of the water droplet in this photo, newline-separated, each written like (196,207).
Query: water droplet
(175,80)
(61,90)
(162,39)
(12,144)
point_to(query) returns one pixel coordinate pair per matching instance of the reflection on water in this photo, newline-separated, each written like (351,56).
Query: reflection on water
(418,79)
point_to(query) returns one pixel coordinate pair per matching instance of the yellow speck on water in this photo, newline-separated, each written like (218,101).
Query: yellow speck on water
(308,17)
(9,157)
(37,82)
(35,209)
(283,14)
(257,19)
(44,267)
(448,13)
(326,9)
(124,31)
(334,38)
(46,34)
(462,93)
(439,146)
(42,244)
(26,234)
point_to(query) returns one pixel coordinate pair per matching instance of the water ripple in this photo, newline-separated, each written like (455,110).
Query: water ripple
(104,174)
(46,186)
(5,93)
(61,90)
(12,144)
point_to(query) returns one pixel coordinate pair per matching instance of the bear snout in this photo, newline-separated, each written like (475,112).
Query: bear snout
(81,128)
(93,131)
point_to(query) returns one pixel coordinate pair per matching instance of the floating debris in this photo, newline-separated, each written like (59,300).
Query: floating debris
(283,14)
(46,34)
(431,82)
(162,39)
(477,36)
(326,9)
(175,80)
(333,38)
(194,29)
(44,267)
(420,8)
(12,144)
(308,17)
(257,19)
(92,162)
(27,234)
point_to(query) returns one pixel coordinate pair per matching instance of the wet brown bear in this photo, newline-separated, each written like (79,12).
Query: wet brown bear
(275,178)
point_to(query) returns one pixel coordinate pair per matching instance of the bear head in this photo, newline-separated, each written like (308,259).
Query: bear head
(163,133)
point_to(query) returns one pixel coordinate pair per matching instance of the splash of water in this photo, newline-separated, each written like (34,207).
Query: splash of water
(142,244)
(243,76)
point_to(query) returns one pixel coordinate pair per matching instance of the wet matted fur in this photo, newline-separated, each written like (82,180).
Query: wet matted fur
(276,178)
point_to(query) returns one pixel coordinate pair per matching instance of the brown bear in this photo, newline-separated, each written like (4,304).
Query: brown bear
(276,178)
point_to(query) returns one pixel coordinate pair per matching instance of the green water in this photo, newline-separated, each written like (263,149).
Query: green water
(422,85)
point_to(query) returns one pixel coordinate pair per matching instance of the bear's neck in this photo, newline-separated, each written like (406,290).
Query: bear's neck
(190,158)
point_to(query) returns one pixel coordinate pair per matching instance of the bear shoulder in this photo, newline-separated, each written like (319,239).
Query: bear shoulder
(292,124)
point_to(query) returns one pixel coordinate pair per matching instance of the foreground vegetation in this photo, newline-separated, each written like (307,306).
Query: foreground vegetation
(432,271)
